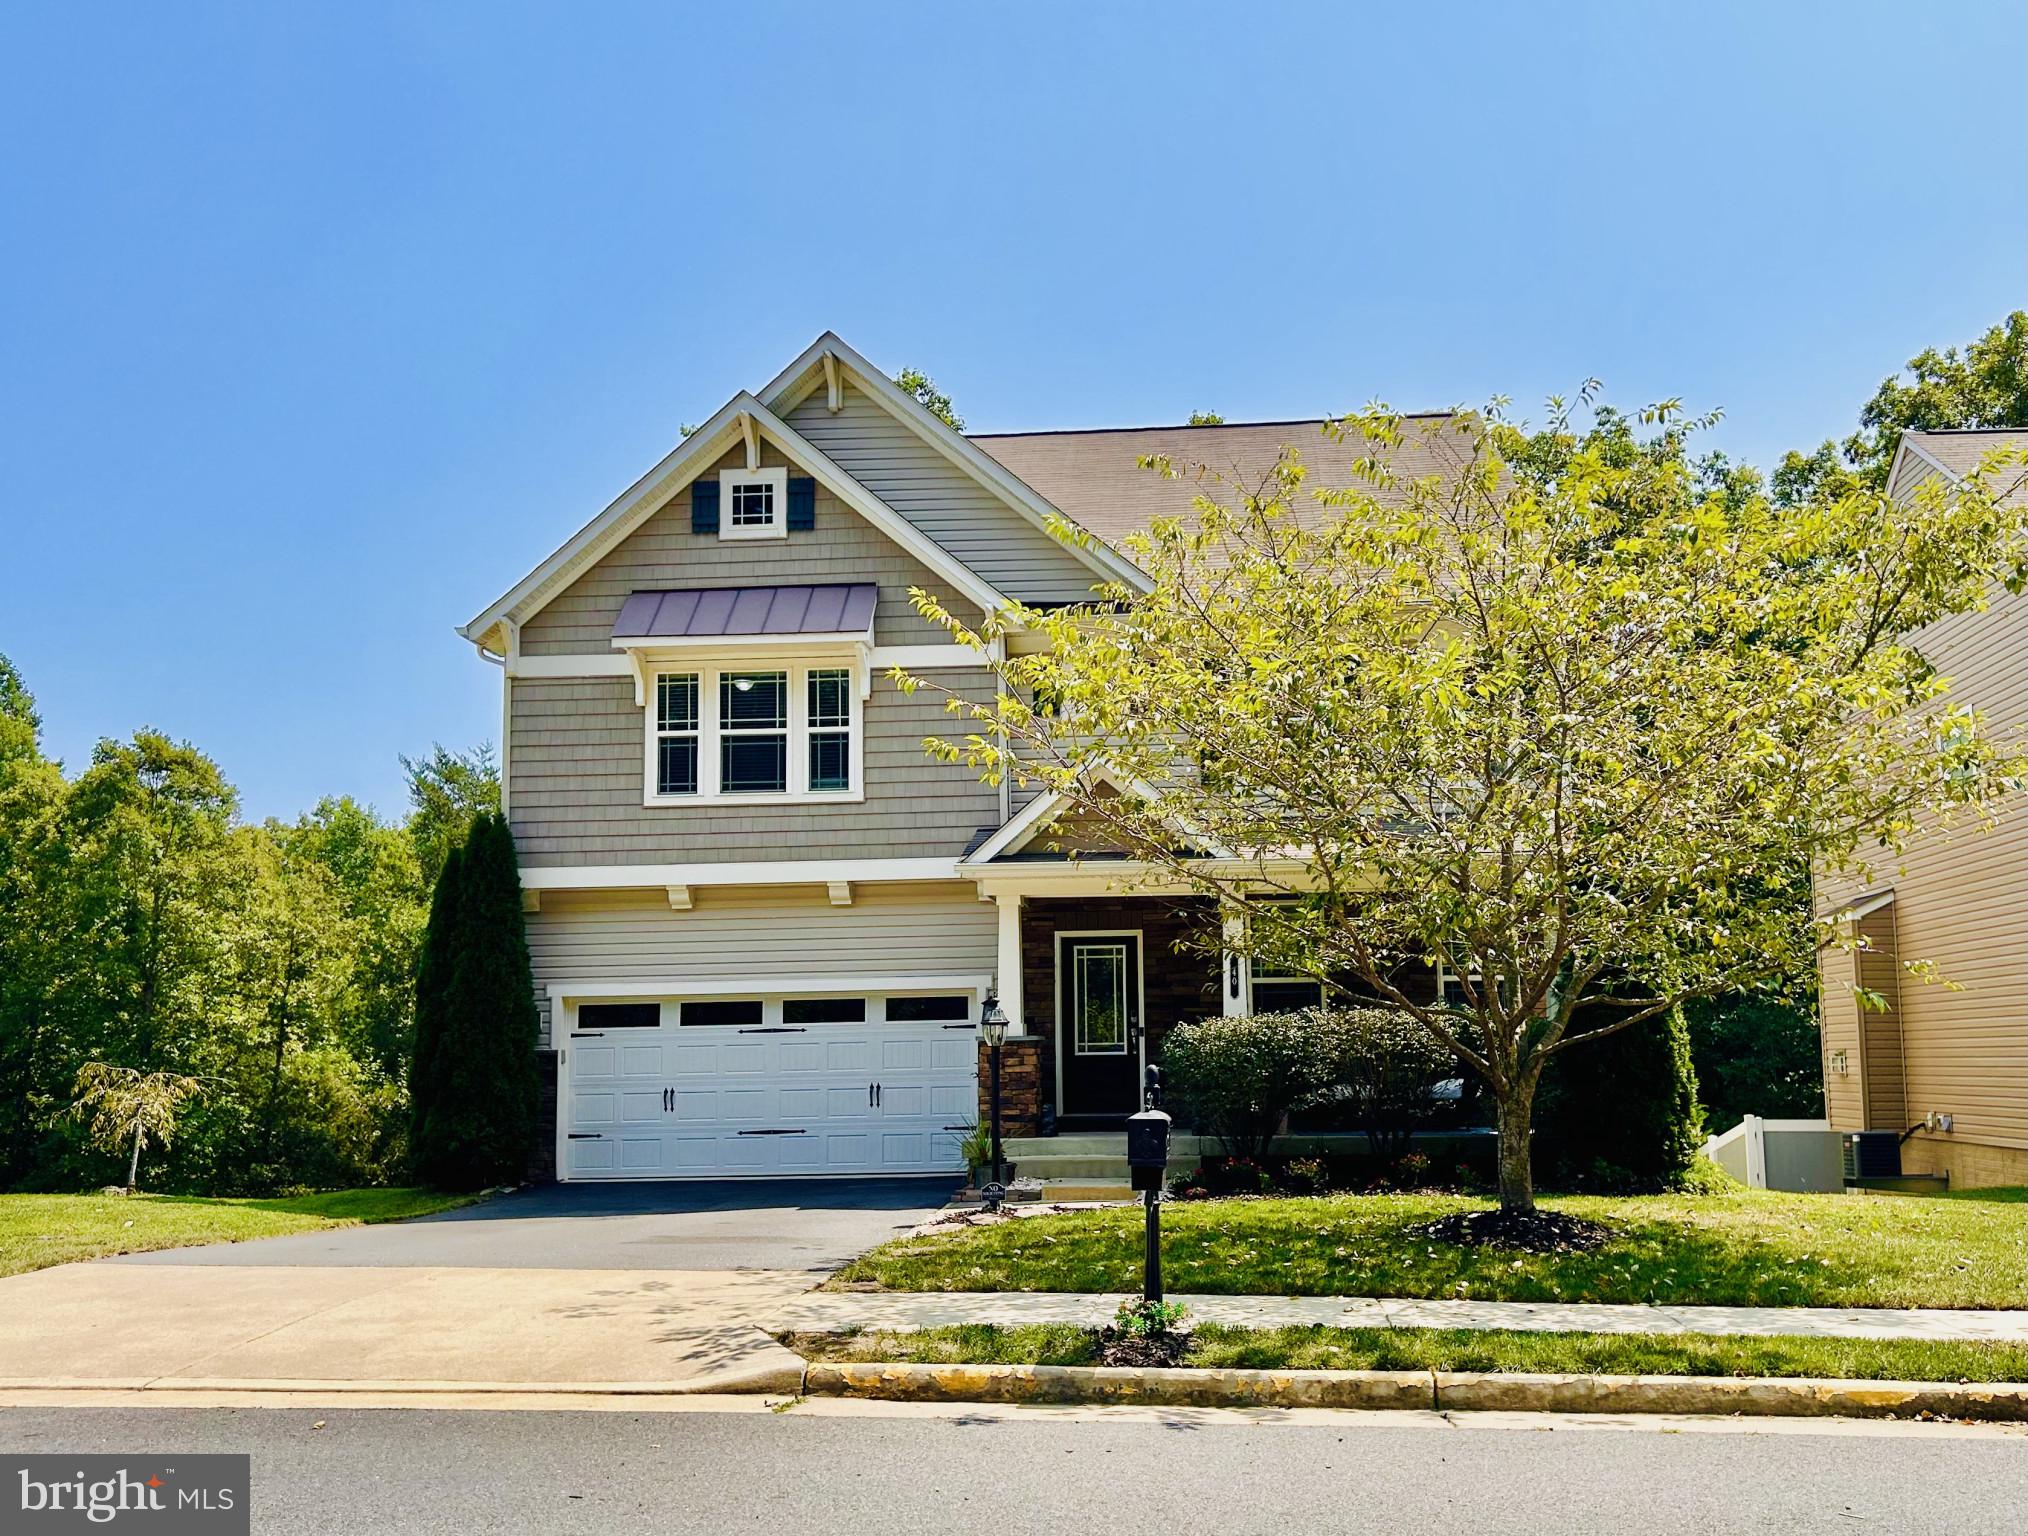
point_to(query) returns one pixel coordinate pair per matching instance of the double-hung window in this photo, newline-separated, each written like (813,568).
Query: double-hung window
(676,733)
(753,733)
(788,731)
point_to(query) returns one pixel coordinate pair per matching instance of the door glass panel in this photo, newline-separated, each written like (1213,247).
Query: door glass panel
(1099,982)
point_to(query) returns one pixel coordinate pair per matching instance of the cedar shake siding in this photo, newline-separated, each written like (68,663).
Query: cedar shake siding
(1961,903)
(754,936)
(946,502)
(663,553)
(577,773)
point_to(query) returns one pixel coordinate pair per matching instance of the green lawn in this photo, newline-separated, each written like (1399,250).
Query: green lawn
(39,1230)
(1452,1349)
(1749,1248)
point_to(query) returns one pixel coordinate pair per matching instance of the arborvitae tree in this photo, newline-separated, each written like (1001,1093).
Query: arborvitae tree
(479,1123)
(433,967)
(1622,1117)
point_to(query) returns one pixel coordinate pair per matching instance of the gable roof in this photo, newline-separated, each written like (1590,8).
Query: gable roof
(1094,476)
(1956,452)
(690,458)
(828,359)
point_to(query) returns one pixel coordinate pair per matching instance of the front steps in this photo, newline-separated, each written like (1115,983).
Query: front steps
(1088,1160)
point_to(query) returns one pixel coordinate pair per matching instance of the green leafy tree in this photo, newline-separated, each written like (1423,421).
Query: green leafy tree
(915,382)
(475,1087)
(1206,419)
(20,725)
(125,1107)
(1756,1054)
(1548,719)
(446,790)
(1985,385)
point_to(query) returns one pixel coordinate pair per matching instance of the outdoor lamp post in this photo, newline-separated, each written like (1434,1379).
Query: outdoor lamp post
(993,1030)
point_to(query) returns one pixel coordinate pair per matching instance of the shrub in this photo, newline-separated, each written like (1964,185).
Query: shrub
(1307,1175)
(1238,1079)
(1619,1115)
(1385,1069)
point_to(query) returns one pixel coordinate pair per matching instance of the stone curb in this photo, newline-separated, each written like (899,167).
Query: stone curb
(1441,1391)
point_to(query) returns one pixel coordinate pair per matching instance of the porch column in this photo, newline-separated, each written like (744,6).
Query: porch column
(1009,978)
(1235,975)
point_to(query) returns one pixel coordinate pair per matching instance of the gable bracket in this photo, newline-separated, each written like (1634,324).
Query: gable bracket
(752,434)
(834,393)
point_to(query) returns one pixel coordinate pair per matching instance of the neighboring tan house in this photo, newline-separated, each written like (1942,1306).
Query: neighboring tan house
(763,922)
(1950,1059)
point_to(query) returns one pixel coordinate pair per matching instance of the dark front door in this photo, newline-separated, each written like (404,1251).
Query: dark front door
(1099,1023)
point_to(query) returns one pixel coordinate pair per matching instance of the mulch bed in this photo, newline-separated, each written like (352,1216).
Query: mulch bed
(1525,1231)
(1143,1349)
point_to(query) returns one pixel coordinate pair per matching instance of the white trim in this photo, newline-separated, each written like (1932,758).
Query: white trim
(773,985)
(573,666)
(710,733)
(1141,982)
(834,394)
(1009,977)
(692,457)
(1019,832)
(1866,906)
(928,658)
(625,877)
(777,482)
(782,393)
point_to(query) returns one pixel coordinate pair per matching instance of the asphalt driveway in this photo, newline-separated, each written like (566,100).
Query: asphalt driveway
(721,1224)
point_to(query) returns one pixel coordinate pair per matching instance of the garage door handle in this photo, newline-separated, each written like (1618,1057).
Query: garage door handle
(776,1029)
(587,1034)
(585,1136)
(775,1133)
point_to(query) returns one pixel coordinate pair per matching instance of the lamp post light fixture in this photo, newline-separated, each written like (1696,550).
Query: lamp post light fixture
(993,1030)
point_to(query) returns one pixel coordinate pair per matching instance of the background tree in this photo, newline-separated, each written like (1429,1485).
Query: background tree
(914,381)
(446,790)
(477,1090)
(1549,721)
(1986,385)
(1206,419)
(124,1108)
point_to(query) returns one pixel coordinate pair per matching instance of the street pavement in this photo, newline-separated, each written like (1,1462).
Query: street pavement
(995,1471)
(713,1224)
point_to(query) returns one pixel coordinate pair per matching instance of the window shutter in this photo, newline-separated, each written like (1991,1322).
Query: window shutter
(802,505)
(704,506)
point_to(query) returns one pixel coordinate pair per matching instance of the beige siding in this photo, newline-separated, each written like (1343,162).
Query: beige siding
(759,937)
(946,503)
(579,754)
(664,553)
(1961,903)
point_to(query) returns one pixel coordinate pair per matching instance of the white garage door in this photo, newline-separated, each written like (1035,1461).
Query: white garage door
(782,1084)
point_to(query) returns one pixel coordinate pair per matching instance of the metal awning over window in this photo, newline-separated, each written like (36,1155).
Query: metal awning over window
(715,613)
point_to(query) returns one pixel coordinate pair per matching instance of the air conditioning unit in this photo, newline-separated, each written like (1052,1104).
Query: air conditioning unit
(1872,1154)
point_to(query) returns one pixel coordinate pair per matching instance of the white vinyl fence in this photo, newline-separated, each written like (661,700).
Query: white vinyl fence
(1801,1155)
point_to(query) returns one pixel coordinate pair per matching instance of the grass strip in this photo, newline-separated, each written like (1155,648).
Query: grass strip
(1448,1349)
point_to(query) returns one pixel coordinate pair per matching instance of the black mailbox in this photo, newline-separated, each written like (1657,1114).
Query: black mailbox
(1148,1148)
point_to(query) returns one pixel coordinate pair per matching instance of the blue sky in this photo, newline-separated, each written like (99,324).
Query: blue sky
(319,325)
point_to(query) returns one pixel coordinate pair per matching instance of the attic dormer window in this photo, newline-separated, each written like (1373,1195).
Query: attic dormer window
(756,503)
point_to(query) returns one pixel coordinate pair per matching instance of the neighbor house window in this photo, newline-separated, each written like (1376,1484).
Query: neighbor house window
(724,733)
(755,503)
(753,733)
(1274,992)
(676,733)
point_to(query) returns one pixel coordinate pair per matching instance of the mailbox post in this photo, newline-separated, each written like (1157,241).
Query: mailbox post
(1148,1161)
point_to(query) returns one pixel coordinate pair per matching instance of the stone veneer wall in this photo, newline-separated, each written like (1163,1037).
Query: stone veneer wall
(1021,1096)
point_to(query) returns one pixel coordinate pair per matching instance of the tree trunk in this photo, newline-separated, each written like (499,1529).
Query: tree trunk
(1516,1109)
(134,1162)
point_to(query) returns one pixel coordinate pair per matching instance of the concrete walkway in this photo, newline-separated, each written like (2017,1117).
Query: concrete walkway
(836,1311)
(413,1329)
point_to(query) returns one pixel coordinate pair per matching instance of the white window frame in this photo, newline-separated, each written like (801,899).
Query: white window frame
(709,736)
(777,480)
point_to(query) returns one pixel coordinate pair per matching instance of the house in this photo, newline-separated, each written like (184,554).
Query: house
(763,921)
(1946,1061)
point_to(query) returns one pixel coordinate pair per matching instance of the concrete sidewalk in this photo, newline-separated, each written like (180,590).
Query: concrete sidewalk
(410,1329)
(837,1311)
